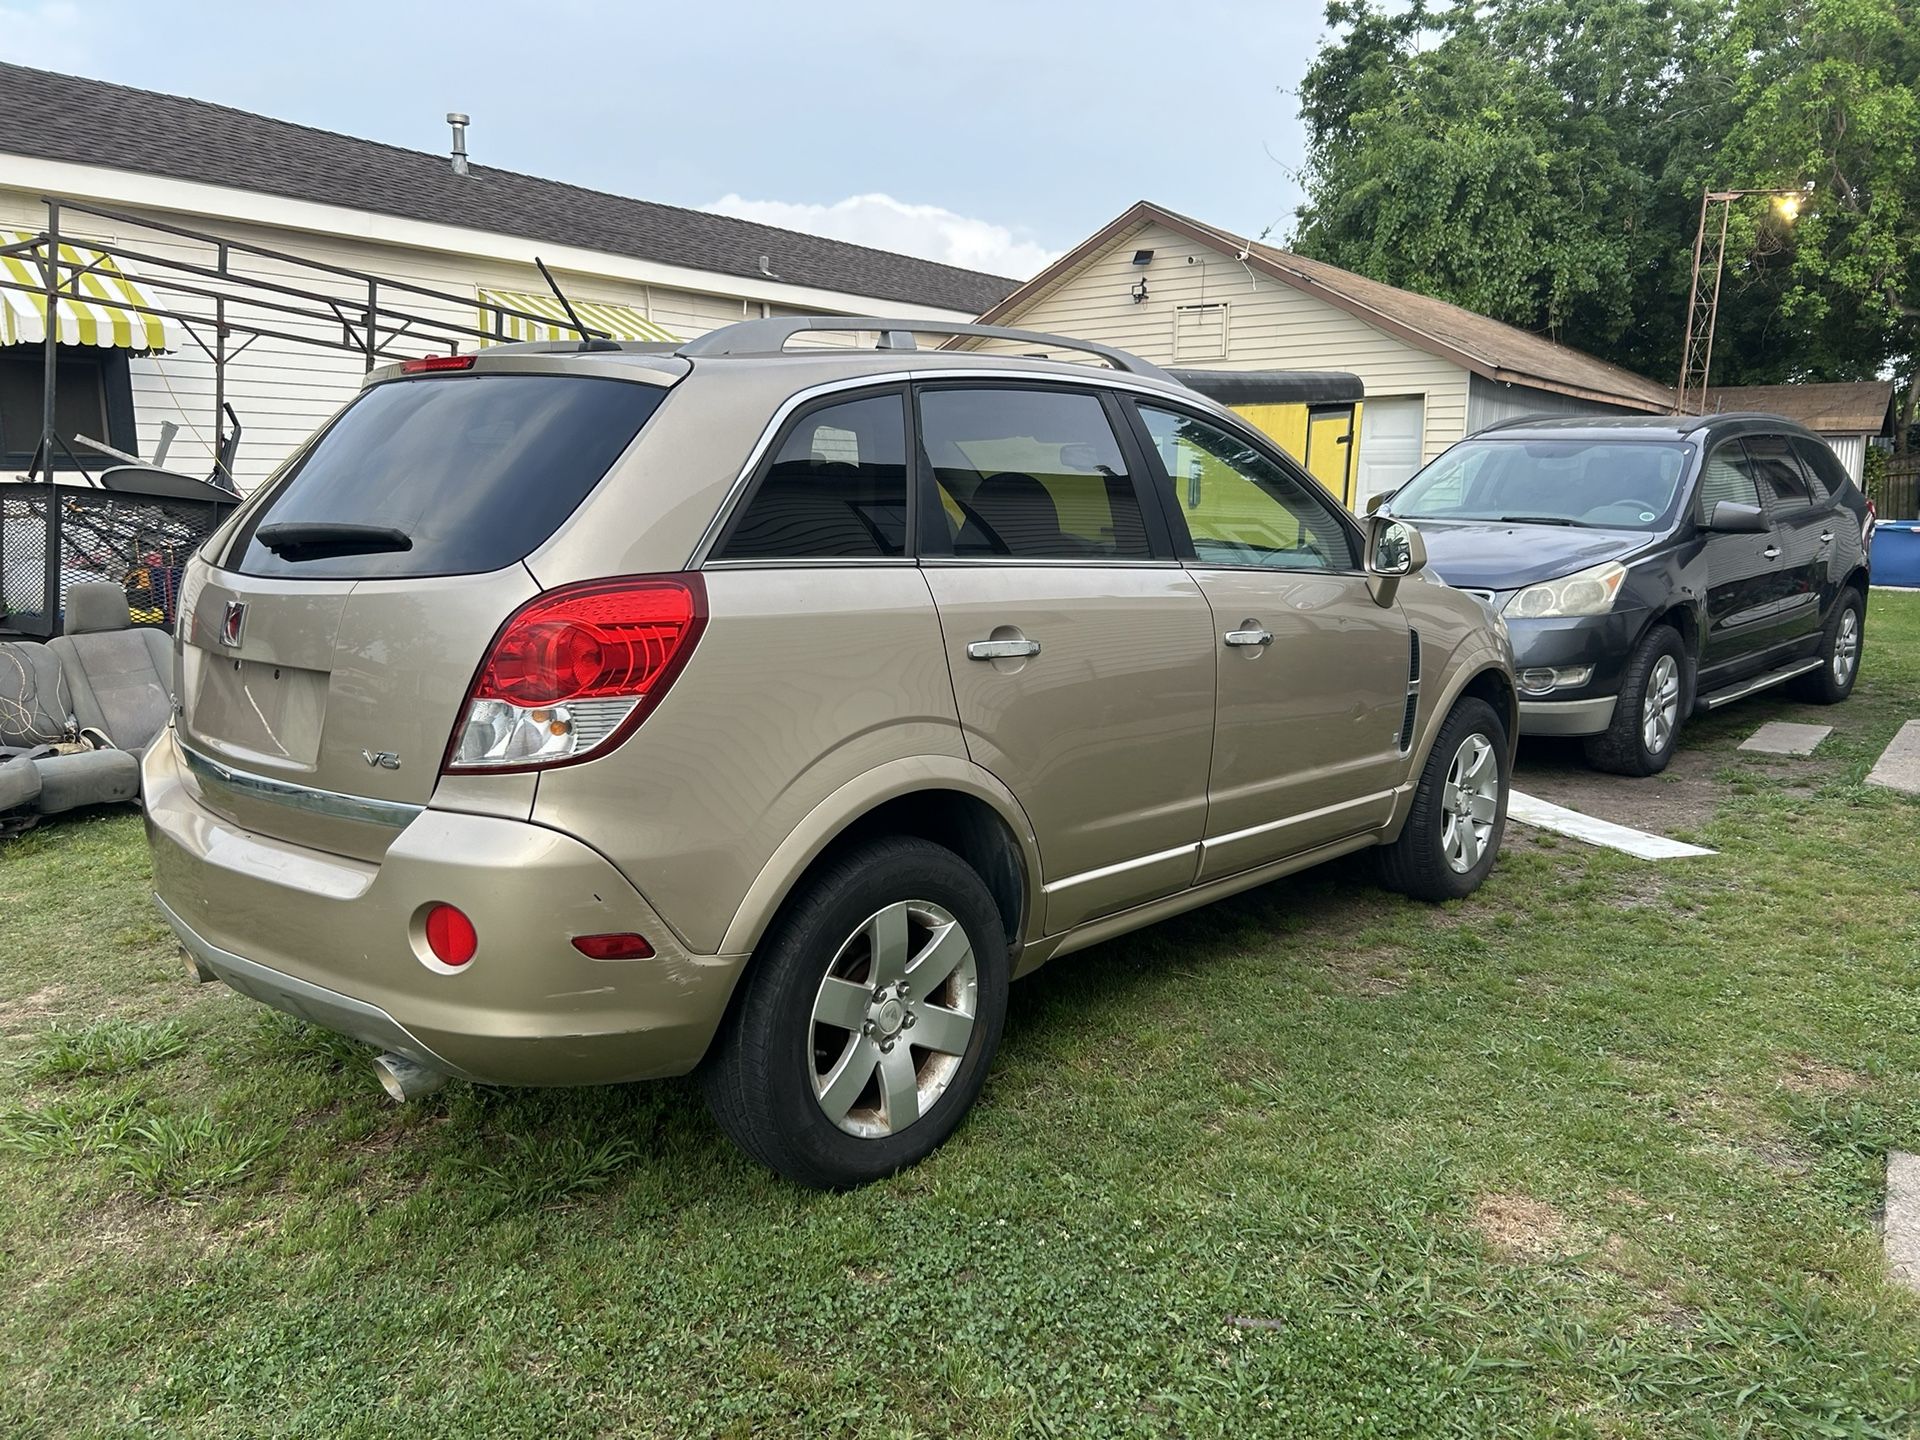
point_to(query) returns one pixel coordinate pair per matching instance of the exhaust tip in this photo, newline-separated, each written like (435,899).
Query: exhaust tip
(405,1079)
(197,969)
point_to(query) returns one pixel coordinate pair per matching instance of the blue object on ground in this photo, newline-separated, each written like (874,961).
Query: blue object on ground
(1896,553)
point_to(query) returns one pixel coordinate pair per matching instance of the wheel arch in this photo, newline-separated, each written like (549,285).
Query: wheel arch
(939,798)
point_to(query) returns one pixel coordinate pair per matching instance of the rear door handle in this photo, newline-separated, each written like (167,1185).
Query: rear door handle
(1249,637)
(1002,649)
(1826,537)
(1772,552)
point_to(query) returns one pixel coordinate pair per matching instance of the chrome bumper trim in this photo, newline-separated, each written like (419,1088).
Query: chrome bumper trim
(212,773)
(1567,717)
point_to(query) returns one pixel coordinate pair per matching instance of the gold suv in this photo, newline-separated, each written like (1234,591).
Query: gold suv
(578,713)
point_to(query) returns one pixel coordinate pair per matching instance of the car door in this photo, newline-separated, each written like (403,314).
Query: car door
(1798,522)
(1742,569)
(1082,652)
(1313,675)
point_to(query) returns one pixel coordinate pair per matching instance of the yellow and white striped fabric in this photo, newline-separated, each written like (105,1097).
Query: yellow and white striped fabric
(89,314)
(622,322)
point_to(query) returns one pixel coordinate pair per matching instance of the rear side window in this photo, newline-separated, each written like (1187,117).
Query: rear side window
(835,489)
(1774,460)
(1819,461)
(1727,477)
(473,473)
(1030,475)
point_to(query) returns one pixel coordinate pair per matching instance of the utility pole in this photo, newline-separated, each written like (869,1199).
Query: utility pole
(1703,304)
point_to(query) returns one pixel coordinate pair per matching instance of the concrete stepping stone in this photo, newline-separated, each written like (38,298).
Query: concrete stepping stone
(1545,815)
(1901,1233)
(1899,764)
(1783,737)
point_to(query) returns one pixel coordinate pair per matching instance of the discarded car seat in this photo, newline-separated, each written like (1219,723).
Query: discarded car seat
(120,677)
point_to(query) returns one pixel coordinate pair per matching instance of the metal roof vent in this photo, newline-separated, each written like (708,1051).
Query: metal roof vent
(459,123)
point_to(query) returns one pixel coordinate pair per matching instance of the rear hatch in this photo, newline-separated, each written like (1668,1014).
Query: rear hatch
(328,647)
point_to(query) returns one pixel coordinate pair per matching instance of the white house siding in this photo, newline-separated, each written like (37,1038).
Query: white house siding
(1491,401)
(1271,326)
(283,390)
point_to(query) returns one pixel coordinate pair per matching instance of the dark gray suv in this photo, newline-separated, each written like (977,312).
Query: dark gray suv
(1650,568)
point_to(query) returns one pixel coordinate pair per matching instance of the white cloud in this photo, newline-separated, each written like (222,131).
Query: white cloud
(889,224)
(51,35)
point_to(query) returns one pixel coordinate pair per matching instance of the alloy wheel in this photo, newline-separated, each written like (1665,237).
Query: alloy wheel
(893,1018)
(1469,803)
(1660,710)
(1846,646)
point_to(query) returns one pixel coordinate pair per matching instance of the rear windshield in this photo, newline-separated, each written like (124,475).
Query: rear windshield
(473,472)
(1606,484)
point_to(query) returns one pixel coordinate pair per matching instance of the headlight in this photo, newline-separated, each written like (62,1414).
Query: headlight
(1587,592)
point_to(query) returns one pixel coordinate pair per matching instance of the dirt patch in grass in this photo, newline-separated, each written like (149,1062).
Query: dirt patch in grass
(1518,1227)
(29,1012)
(1806,1076)
(1374,972)
(1682,797)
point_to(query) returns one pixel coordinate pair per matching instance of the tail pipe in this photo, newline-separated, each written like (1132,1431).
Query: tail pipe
(405,1079)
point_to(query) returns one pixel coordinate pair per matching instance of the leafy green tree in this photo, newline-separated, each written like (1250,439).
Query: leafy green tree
(1542,161)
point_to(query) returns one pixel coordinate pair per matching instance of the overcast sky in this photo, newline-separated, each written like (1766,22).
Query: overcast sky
(989,133)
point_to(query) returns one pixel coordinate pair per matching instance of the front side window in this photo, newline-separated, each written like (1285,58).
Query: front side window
(1774,461)
(1606,484)
(1030,475)
(1728,477)
(1241,507)
(836,488)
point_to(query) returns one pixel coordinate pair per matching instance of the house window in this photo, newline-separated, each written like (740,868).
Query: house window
(92,396)
(1199,332)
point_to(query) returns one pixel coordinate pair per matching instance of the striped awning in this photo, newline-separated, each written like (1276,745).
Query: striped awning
(91,307)
(622,322)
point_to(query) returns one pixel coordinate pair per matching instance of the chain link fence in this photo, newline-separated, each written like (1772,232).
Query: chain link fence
(138,542)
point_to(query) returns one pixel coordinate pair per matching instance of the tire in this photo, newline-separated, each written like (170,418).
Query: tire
(1842,643)
(1426,861)
(1653,705)
(797,1023)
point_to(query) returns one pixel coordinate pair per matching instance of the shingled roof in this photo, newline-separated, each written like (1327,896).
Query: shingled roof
(90,122)
(1486,347)
(1843,407)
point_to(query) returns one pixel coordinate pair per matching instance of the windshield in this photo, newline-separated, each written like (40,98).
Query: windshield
(1606,484)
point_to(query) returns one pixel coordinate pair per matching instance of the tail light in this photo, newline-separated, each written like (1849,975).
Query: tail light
(435,364)
(573,672)
(1869,525)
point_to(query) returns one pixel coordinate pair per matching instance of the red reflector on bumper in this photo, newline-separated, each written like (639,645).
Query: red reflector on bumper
(613,947)
(450,935)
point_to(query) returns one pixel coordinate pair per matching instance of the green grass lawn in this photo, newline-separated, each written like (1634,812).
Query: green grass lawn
(1598,1152)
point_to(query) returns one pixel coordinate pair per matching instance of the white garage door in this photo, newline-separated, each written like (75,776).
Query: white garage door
(1389,444)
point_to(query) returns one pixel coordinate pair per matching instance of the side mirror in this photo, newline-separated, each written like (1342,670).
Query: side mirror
(1374,502)
(1394,550)
(1732,518)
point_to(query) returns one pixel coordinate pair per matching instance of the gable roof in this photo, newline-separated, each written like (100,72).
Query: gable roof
(90,122)
(1846,407)
(1486,347)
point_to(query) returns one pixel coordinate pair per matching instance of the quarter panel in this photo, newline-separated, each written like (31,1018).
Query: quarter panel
(804,679)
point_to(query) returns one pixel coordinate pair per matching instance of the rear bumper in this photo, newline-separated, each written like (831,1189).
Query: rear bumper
(1567,717)
(334,941)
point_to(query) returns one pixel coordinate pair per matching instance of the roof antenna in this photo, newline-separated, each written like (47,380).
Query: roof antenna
(588,339)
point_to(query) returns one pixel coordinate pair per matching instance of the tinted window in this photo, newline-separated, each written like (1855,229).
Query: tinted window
(1774,463)
(1608,484)
(1031,474)
(1728,476)
(836,488)
(1241,507)
(1819,461)
(475,471)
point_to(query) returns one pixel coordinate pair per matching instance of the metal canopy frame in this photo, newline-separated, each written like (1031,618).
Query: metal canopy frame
(370,324)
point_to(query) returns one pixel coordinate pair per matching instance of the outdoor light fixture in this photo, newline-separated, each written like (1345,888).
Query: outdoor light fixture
(1703,299)
(1140,290)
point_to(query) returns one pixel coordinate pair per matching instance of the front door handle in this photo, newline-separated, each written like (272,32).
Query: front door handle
(1826,537)
(1002,649)
(1250,637)
(1772,552)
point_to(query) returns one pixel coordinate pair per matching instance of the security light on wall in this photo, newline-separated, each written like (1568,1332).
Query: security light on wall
(1140,290)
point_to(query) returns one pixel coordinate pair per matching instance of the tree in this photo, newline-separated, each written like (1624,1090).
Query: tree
(1541,161)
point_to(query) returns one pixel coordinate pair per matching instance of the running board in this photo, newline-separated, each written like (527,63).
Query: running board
(1758,683)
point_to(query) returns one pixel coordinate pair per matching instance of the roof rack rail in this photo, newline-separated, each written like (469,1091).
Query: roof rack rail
(769,337)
